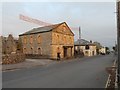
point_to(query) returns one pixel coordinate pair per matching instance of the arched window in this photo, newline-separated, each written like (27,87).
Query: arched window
(24,50)
(58,39)
(54,38)
(31,39)
(86,52)
(65,40)
(31,50)
(25,40)
(39,39)
(70,40)
(87,47)
(58,49)
(64,28)
(57,36)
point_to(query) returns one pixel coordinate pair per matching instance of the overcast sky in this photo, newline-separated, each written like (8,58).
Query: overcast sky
(96,19)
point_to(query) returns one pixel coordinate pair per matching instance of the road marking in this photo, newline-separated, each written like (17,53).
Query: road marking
(108,80)
(7,70)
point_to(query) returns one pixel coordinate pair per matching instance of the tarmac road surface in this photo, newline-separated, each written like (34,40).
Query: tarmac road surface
(81,73)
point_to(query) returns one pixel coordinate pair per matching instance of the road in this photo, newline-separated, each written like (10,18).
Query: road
(79,73)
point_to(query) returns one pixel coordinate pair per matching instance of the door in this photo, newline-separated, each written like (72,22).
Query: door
(92,53)
(65,52)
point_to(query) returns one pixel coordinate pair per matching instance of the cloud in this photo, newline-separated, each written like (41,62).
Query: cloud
(97,20)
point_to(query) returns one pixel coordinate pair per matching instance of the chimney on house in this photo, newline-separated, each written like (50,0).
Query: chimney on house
(90,41)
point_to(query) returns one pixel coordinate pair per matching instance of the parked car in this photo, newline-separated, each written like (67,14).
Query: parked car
(102,53)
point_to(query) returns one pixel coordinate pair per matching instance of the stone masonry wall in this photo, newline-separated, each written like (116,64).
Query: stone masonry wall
(13,58)
(44,45)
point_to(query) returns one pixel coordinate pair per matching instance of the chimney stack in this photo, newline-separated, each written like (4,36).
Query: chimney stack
(90,41)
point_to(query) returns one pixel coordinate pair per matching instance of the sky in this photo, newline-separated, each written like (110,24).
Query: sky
(96,19)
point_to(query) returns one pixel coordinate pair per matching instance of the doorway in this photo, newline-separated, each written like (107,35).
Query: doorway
(65,52)
(92,53)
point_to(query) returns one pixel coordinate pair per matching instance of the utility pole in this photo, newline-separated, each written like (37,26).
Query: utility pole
(118,39)
(79,39)
(79,34)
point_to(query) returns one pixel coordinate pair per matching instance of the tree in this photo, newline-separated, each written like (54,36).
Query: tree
(114,48)
(107,50)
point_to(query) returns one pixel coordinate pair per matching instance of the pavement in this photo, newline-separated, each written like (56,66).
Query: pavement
(77,73)
(28,63)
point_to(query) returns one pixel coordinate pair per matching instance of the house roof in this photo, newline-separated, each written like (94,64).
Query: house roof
(98,45)
(42,29)
(82,42)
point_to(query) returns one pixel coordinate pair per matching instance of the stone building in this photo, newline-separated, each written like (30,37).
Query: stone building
(8,44)
(11,50)
(98,47)
(102,50)
(0,46)
(11,46)
(3,42)
(49,40)
(86,47)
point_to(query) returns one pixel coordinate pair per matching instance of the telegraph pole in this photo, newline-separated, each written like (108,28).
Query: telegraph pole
(79,39)
(79,34)
(118,39)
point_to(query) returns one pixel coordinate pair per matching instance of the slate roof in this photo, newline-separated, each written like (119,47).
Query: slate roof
(41,29)
(82,42)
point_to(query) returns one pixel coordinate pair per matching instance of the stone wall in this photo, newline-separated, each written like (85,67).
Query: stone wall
(62,36)
(10,44)
(36,56)
(13,58)
(44,44)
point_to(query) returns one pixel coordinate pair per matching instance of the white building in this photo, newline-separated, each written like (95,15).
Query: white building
(102,50)
(86,47)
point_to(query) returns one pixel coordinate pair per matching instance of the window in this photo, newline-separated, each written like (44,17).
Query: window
(64,39)
(64,28)
(62,31)
(57,39)
(70,40)
(39,50)
(87,47)
(86,52)
(39,39)
(25,40)
(24,50)
(31,39)
(31,50)
(58,49)
(57,36)
(54,38)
